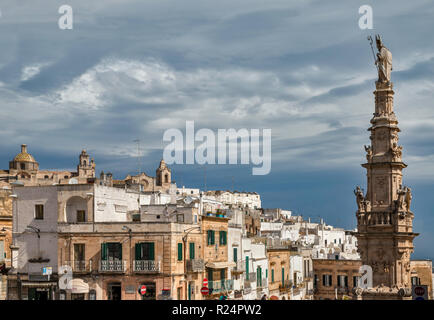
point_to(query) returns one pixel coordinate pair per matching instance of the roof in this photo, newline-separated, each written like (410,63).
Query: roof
(24,155)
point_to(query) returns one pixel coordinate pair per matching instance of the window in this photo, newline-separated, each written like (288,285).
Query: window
(326,243)
(179,251)
(283,276)
(223,237)
(327,280)
(111,251)
(355,281)
(179,218)
(23,166)
(145,251)
(62,295)
(92,294)
(272,275)
(79,252)
(81,216)
(45,177)
(136,217)
(247,267)
(235,254)
(39,211)
(315,281)
(210,237)
(191,251)
(259,276)
(415,281)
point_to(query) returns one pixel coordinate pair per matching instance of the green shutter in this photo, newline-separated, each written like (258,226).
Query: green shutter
(235,254)
(221,237)
(283,276)
(247,267)
(151,251)
(179,251)
(266,273)
(191,250)
(138,251)
(272,275)
(212,237)
(103,251)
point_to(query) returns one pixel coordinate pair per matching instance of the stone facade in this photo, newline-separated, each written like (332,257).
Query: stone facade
(335,279)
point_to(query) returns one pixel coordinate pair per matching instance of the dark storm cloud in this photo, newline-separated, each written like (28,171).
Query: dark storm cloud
(131,69)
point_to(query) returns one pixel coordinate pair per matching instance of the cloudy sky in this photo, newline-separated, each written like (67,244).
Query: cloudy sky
(132,69)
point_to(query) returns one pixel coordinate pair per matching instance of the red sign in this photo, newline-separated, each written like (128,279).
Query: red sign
(205,282)
(143,290)
(204,291)
(420,291)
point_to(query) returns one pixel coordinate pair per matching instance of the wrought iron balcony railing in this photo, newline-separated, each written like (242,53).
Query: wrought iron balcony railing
(145,266)
(221,285)
(80,265)
(112,266)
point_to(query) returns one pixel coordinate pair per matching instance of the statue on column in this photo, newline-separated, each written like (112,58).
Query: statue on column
(383,61)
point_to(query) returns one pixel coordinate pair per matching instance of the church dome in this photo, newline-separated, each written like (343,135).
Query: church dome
(23,156)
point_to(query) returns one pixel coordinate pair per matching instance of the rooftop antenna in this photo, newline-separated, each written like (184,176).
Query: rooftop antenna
(138,156)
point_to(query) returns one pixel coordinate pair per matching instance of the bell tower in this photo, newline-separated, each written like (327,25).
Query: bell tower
(86,166)
(384,217)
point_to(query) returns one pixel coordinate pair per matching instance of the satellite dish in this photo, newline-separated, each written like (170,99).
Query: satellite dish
(73,181)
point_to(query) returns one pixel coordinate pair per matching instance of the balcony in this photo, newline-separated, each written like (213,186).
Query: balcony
(286,286)
(195,265)
(80,266)
(262,284)
(218,286)
(240,267)
(112,266)
(147,266)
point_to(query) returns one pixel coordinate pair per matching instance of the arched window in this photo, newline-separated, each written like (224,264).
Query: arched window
(166,178)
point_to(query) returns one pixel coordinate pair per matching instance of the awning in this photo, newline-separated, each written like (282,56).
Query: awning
(39,284)
(220,265)
(79,286)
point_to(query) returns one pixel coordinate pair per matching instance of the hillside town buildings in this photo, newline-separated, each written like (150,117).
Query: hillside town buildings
(75,236)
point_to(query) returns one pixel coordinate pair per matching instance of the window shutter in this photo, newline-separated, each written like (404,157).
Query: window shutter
(192,250)
(120,251)
(212,237)
(179,251)
(324,280)
(272,275)
(151,251)
(331,280)
(235,254)
(247,267)
(339,281)
(103,251)
(138,250)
